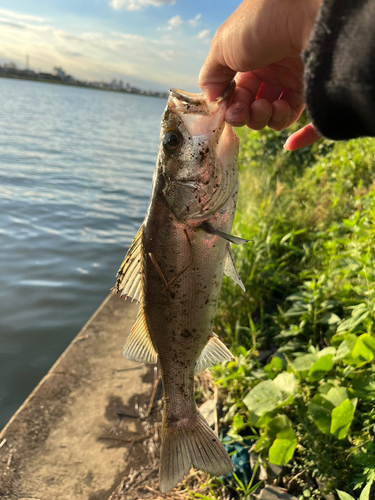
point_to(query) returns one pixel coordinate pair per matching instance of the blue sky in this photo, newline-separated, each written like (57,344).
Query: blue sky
(154,44)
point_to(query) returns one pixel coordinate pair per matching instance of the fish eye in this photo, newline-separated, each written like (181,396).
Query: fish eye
(172,141)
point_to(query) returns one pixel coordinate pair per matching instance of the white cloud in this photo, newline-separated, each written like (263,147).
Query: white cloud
(23,17)
(194,22)
(103,55)
(138,4)
(174,22)
(204,35)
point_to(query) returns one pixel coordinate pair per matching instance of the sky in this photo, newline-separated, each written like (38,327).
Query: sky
(153,44)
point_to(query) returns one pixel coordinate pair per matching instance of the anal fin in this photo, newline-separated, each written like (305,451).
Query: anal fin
(214,352)
(230,269)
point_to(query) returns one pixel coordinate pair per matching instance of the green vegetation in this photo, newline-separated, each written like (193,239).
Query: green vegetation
(302,387)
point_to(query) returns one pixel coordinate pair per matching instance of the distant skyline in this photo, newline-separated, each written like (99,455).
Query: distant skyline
(152,44)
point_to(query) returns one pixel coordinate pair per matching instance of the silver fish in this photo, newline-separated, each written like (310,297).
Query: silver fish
(174,268)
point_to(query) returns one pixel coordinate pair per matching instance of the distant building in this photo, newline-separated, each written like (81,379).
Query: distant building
(10,65)
(60,73)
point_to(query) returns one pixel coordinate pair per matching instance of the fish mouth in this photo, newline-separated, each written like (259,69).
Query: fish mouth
(189,107)
(191,103)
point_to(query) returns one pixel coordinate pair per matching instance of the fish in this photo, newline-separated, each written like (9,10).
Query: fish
(174,269)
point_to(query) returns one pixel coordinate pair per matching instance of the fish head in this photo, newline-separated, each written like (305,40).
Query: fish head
(197,155)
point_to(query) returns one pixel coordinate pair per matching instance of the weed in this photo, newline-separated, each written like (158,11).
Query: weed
(302,387)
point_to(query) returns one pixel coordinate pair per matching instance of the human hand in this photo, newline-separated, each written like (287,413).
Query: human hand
(260,45)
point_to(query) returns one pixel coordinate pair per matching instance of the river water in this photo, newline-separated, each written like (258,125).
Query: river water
(76,168)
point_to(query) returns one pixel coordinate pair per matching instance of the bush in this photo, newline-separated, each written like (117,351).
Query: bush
(303,384)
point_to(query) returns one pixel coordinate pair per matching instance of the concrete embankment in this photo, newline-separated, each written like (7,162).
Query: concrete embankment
(52,448)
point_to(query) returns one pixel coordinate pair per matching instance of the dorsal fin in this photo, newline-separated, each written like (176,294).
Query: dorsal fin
(138,346)
(129,276)
(230,269)
(214,352)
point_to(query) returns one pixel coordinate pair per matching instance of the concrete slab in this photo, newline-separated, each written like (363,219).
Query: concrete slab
(50,449)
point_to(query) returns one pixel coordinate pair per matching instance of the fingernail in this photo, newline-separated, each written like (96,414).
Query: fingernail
(260,114)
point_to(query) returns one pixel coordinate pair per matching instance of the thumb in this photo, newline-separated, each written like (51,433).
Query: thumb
(214,77)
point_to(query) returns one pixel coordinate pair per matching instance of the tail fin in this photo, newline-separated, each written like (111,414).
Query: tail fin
(190,442)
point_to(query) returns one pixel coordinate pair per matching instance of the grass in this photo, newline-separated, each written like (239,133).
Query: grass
(303,385)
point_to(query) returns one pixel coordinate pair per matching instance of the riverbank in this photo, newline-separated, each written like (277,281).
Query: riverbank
(51,449)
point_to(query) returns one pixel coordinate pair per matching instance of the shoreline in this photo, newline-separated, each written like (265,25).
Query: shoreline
(160,95)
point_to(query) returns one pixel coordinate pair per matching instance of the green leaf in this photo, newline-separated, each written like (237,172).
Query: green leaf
(344,326)
(271,428)
(324,388)
(359,318)
(344,496)
(238,422)
(322,366)
(346,346)
(337,395)
(364,382)
(278,424)
(342,417)
(282,449)
(320,409)
(365,493)
(302,364)
(337,339)
(286,383)
(263,397)
(330,319)
(263,443)
(274,367)
(364,349)
(325,351)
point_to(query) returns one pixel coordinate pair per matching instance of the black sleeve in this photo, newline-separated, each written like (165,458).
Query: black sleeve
(340,69)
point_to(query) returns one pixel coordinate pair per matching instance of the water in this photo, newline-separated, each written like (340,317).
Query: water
(75,177)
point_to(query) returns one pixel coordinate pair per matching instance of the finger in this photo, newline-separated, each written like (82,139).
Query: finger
(215,74)
(260,114)
(296,103)
(247,87)
(280,115)
(302,138)
(213,89)
(238,112)
(270,92)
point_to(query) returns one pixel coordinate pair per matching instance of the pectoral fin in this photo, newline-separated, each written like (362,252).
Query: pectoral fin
(209,228)
(214,352)
(230,269)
